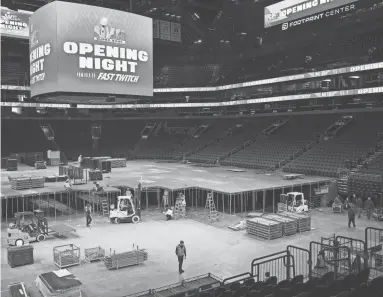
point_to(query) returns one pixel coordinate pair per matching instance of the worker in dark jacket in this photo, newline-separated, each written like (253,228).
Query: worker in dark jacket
(181,254)
(351,215)
(88,215)
(359,206)
(369,206)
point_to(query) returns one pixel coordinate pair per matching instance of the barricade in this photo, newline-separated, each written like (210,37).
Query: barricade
(374,247)
(303,262)
(336,259)
(280,265)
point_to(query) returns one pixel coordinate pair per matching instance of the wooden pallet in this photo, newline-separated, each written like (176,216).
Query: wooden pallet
(304,221)
(135,257)
(264,228)
(290,225)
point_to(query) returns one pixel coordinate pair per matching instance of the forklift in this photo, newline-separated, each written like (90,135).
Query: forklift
(295,202)
(127,208)
(32,226)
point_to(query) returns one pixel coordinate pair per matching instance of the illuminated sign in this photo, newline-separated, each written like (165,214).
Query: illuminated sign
(291,13)
(211,104)
(316,74)
(78,48)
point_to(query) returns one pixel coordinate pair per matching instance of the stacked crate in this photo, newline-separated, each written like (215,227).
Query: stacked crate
(135,257)
(53,158)
(20,255)
(4,163)
(66,255)
(304,221)
(118,163)
(105,166)
(264,228)
(31,158)
(22,183)
(40,165)
(11,164)
(95,175)
(290,225)
(94,254)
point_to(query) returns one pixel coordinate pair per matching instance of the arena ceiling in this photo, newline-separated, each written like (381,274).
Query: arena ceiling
(227,25)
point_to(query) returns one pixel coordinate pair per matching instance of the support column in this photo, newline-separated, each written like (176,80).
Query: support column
(273,200)
(230,203)
(223,202)
(147,199)
(54,197)
(241,197)
(253,199)
(264,200)
(6,210)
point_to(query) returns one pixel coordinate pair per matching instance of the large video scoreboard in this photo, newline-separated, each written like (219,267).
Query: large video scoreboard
(293,13)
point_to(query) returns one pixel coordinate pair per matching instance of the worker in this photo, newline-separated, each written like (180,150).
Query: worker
(369,206)
(347,204)
(165,198)
(79,159)
(181,254)
(169,213)
(359,206)
(321,262)
(351,215)
(88,215)
(68,185)
(267,277)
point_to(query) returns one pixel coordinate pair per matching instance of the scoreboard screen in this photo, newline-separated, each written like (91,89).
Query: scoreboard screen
(292,13)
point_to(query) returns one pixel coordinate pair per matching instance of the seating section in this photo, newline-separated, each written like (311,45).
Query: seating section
(351,285)
(327,157)
(374,165)
(188,75)
(269,152)
(19,137)
(74,138)
(119,137)
(166,137)
(246,132)
(213,132)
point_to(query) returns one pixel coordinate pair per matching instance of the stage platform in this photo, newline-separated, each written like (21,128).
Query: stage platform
(156,177)
(173,176)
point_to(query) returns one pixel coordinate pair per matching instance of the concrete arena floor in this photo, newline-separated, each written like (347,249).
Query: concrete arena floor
(211,248)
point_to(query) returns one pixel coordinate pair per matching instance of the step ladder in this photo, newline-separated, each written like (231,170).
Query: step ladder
(105,208)
(180,207)
(210,210)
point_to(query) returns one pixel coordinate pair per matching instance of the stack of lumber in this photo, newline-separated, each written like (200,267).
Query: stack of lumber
(55,178)
(118,163)
(22,183)
(304,221)
(290,225)
(20,255)
(135,257)
(264,228)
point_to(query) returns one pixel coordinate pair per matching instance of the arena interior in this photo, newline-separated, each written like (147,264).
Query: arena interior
(252,130)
